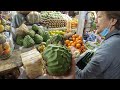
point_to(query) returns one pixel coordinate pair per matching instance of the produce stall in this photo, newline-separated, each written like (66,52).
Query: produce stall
(34,42)
(40,45)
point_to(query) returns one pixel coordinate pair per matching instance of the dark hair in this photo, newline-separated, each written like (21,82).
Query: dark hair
(114,15)
(72,13)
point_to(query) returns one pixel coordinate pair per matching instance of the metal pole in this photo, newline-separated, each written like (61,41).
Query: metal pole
(81,21)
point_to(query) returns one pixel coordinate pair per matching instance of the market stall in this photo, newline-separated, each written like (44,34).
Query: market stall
(38,43)
(27,37)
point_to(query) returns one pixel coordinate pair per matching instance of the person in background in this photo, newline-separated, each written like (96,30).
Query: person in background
(105,63)
(64,12)
(71,14)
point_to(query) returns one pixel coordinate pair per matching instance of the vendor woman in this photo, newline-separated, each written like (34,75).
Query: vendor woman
(105,63)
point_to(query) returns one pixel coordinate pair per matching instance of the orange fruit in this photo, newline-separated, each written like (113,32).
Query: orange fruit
(78,45)
(73,36)
(79,41)
(80,37)
(76,35)
(67,41)
(73,39)
(69,44)
(73,44)
(69,47)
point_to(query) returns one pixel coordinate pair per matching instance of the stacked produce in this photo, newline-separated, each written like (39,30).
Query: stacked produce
(51,15)
(52,19)
(55,32)
(4,25)
(27,17)
(74,23)
(5,49)
(29,37)
(58,59)
(54,23)
(77,42)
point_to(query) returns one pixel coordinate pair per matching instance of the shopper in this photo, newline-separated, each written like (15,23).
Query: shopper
(105,63)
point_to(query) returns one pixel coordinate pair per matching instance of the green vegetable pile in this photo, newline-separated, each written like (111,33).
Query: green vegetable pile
(36,35)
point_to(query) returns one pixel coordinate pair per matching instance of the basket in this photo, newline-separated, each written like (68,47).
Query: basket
(54,23)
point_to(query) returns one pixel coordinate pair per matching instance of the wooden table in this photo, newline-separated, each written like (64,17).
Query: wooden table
(13,62)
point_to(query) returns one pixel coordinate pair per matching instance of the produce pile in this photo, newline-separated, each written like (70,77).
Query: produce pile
(74,23)
(29,37)
(52,19)
(5,49)
(50,44)
(55,32)
(54,23)
(4,25)
(51,15)
(77,42)
(53,45)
